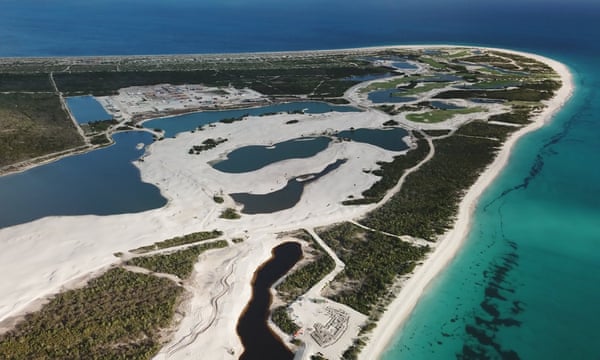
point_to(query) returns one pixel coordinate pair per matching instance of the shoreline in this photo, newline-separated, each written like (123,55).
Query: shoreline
(75,253)
(403,305)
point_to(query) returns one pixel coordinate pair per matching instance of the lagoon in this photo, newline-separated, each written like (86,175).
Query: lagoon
(254,157)
(175,124)
(86,109)
(100,182)
(557,214)
(284,198)
(388,139)
(258,339)
(389,96)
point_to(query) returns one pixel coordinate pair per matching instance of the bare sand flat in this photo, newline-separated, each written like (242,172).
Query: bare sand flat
(42,257)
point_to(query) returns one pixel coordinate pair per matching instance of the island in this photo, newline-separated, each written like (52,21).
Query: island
(309,197)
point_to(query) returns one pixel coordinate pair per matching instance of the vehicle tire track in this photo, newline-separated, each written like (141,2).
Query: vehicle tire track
(201,326)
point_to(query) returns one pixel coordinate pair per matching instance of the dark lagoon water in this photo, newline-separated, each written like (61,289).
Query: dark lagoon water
(538,240)
(258,340)
(254,157)
(86,109)
(176,124)
(389,96)
(388,139)
(445,106)
(101,182)
(284,198)
(369,77)
(404,65)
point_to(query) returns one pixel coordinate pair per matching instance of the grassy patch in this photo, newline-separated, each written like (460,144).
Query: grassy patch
(436,116)
(483,129)
(180,263)
(425,87)
(230,213)
(431,62)
(180,240)
(517,116)
(389,84)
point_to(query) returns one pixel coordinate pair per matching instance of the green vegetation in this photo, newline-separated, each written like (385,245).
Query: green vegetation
(434,64)
(390,84)
(335,100)
(34,82)
(517,116)
(302,279)
(494,84)
(521,94)
(436,133)
(500,62)
(317,264)
(427,203)
(373,261)
(318,76)
(180,263)
(436,116)
(391,123)
(98,126)
(218,199)
(233,119)
(425,87)
(179,240)
(33,125)
(230,213)
(458,54)
(388,109)
(237,240)
(483,129)
(367,327)
(117,315)
(527,64)
(100,139)
(281,318)
(285,80)
(206,145)
(390,173)
(352,352)
(291,122)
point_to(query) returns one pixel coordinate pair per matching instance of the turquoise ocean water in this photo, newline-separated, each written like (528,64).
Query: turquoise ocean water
(525,285)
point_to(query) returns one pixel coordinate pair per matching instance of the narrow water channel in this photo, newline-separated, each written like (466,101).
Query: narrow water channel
(258,340)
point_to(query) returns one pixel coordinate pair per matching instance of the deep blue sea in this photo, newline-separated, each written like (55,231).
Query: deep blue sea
(526,284)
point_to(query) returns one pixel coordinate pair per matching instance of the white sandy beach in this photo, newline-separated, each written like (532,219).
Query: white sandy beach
(44,256)
(399,310)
